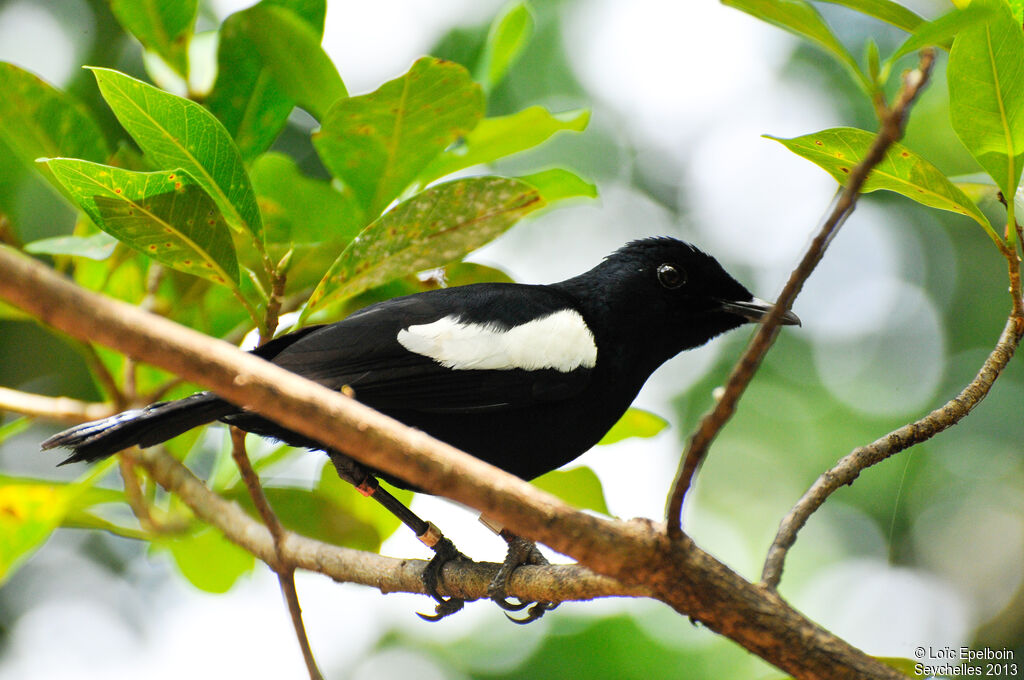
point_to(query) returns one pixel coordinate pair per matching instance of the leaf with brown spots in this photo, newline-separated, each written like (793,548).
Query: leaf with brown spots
(431,229)
(839,150)
(165,215)
(379,142)
(175,132)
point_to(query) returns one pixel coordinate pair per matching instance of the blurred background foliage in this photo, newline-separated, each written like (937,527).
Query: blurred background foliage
(926,549)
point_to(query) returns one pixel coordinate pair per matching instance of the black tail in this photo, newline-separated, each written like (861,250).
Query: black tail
(145,427)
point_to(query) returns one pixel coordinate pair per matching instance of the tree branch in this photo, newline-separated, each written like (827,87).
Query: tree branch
(638,554)
(861,458)
(468,580)
(711,424)
(61,409)
(282,566)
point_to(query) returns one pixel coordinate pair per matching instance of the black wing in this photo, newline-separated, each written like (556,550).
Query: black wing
(363,352)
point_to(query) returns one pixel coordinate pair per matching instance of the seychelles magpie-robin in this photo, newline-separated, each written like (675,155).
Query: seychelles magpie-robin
(525,377)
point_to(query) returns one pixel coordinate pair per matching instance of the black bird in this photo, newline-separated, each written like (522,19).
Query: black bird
(525,377)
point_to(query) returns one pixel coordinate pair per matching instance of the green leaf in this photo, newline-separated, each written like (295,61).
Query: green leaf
(37,119)
(465,273)
(983,191)
(321,518)
(433,228)
(354,505)
(290,49)
(308,216)
(986,94)
(30,509)
(97,247)
(162,27)
(838,150)
(579,487)
(177,133)
(83,519)
(14,427)
(379,142)
(10,312)
(1017,9)
(941,31)
(884,10)
(164,215)
(333,511)
(247,97)
(509,33)
(301,209)
(558,184)
(801,18)
(209,561)
(634,422)
(28,515)
(81,494)
(501,136)
(873,60)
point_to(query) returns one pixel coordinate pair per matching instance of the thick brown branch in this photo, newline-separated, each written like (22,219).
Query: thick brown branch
(638,554)
(61,409)
(712,423)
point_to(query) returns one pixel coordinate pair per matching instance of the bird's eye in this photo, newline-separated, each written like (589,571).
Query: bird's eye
(671,276)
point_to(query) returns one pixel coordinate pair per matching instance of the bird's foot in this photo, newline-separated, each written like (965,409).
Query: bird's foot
(444,552)
(520,552)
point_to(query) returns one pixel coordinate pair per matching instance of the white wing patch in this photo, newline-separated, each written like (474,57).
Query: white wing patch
(560,341)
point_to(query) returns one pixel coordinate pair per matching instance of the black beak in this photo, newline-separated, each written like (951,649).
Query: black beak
(755,310)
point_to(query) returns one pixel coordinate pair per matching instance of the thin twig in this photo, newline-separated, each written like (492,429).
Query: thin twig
(133,493)
(282,566)
(891,131)
(273,315)
(149,302)
(106,379)
(850,466)
(61,409)
(252,483)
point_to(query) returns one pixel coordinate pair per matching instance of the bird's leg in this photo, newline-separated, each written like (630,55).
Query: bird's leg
(427,532)
(520,552)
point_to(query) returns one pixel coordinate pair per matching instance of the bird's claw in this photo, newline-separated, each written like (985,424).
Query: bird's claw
(444,608)
(533,613)
(502,601)
(444,552)
(520,552)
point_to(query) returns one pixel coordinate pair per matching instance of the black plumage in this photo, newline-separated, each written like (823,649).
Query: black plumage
(526,377)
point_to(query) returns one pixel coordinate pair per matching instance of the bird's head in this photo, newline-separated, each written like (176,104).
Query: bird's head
(668,293)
